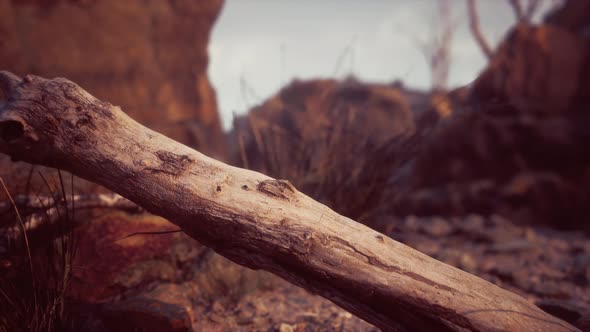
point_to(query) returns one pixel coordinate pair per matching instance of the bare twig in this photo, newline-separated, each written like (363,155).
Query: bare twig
(437,47)
(517,9)
(476,31)
(29,204)
(524,14)
(531,9)
(148,233)
(45,209)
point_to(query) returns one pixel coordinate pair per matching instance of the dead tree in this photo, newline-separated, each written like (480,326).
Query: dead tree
(437,48)
(252,219)
(523,12)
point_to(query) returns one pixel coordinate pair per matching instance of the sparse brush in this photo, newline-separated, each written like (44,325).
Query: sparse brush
(338,166)
(37,269)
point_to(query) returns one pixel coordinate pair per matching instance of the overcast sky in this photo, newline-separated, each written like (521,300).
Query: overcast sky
(257,46)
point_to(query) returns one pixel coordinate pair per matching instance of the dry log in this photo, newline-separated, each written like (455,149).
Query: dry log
(40,204)
(252,219)
(44,210)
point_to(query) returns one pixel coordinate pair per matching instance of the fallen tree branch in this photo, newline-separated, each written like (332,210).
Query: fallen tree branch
(40,204)
(44,210)
(252,219)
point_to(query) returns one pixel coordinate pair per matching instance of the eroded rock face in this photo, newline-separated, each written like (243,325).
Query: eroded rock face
(574,16)
(542,69)
(515,146)
(149,57)
(536,69)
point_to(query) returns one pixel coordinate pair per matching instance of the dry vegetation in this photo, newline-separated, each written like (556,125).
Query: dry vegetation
(37,270)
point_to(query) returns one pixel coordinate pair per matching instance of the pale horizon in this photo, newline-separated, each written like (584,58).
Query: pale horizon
(258,46)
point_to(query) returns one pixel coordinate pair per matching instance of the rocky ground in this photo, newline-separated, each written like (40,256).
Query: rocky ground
(548,267)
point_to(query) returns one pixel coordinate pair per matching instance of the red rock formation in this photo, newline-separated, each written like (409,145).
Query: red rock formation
(536,69)
(149,57)
(542,69)
(517,146)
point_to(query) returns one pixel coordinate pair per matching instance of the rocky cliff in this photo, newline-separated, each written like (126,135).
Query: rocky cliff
(149,57)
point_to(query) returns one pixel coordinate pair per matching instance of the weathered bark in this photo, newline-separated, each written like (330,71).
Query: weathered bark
(254,220)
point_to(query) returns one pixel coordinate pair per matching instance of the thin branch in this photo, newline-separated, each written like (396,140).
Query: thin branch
(436,49)
(532,7)
(39,210)
(148,233)
(517,9)
(476,31)
(36,203)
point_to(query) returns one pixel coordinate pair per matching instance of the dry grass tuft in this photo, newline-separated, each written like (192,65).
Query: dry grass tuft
(36,271)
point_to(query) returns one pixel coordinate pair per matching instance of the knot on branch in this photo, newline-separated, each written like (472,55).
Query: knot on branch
(11,130)
(171,163)
(41,118)
(282,189)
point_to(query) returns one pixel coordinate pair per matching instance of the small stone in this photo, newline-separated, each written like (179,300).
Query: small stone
(345,315)
(552,289)
(559,244)
(487,264)
(437,227)
(214,317)
(286,328)
(261,309)
(450,256)
(505,267)
(467,263)
(530,234)
(308,316)
(511,246)
(428,247)
(246,314)
(143,314)
(472,223)
(498,221)
(259,322)
(411,224)
(217,307)
(244,320)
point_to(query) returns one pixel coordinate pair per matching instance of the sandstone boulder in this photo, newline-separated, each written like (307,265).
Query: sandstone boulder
(536,69)
(149,57)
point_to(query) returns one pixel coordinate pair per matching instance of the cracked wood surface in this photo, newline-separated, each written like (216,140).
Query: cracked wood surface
(252,219)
